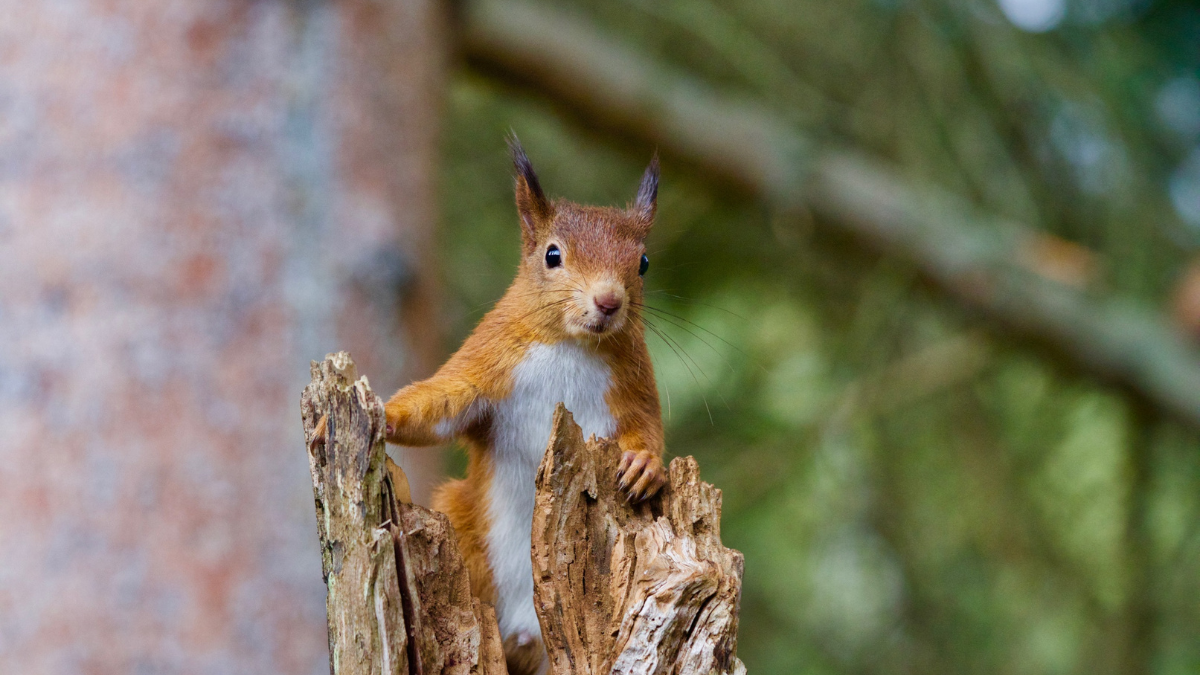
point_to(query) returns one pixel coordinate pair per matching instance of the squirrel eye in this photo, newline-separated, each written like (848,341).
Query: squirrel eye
(553,256)
(644,266)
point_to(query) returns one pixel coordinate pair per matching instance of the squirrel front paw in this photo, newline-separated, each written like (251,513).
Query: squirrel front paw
(641,475)
(318,436)
(395,415)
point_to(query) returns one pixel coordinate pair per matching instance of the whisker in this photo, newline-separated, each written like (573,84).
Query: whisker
(544,307)
(691,301)
(646,322)
(676,351)
(666,387)
(706,343)
(522,295)
(702,373)
(663,314)
(545,292)
(667,390)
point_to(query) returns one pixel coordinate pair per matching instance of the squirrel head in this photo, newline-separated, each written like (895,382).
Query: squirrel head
(586,262)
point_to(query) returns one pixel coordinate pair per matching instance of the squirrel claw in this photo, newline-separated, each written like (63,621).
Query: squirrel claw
(626,460)
(641,476)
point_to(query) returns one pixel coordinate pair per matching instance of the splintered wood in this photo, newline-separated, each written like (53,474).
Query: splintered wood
(399,598)
(645,589)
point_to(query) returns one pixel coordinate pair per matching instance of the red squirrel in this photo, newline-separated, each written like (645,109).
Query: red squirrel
(568,329)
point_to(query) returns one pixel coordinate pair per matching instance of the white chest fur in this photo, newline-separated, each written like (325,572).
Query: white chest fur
(548,374)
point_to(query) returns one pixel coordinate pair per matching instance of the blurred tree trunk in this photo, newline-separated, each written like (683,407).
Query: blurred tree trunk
(195,199)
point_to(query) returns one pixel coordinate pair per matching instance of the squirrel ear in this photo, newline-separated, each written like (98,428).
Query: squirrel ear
(646,202)
(531,201)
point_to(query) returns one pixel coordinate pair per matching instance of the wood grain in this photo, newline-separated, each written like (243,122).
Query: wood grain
(621,588)
(399,599)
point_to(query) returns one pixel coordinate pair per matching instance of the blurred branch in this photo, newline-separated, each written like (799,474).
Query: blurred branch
(942,366)
(974,257)
(754,61)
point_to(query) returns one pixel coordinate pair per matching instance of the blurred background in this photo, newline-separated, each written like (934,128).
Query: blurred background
(925,278)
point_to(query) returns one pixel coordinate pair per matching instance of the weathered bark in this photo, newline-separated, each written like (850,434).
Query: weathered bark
(366,618)
(399,598)
(630,589)
(976,258)
(618,588)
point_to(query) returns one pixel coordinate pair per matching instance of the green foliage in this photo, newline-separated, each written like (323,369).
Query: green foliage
(912,493)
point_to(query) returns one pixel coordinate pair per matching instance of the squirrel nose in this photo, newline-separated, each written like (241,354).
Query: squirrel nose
(608,304)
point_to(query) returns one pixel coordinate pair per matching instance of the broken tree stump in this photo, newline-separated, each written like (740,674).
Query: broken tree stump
(620,588)
(646,589)
(399,600)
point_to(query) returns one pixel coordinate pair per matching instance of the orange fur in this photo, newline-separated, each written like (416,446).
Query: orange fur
(464,502)
(601,252)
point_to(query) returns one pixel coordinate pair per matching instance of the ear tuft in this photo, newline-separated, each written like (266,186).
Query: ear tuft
(532,205)
(646,202)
